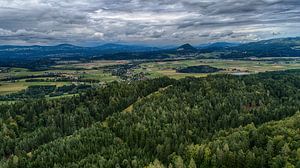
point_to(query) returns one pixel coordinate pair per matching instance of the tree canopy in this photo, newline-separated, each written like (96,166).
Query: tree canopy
(218,121)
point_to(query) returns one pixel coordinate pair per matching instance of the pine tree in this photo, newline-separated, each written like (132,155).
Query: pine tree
(192,164)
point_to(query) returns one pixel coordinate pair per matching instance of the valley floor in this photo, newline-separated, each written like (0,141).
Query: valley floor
(13,80)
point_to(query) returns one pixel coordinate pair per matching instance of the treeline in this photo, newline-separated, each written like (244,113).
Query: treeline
(218,121)
(198,69)
(28,77)
(41,91)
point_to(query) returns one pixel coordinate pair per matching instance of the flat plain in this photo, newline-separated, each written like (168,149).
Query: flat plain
(95,70)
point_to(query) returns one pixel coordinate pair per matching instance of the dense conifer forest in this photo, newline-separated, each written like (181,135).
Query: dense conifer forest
(199,69)
(218,121)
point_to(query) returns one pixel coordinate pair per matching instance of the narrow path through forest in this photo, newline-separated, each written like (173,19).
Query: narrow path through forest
(130,108)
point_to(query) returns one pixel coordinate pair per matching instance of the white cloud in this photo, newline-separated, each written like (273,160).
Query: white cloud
(146,21)
(98,35)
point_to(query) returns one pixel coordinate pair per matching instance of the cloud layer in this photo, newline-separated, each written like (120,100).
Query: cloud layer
(146,21)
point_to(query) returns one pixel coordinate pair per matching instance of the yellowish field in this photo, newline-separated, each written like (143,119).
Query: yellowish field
(7,87)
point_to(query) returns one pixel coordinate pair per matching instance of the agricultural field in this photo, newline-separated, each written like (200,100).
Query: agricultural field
(67,73)
(168,68)
(16,79)
(90,65)
(9,87)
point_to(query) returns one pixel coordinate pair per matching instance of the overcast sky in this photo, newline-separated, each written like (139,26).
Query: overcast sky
(153,22)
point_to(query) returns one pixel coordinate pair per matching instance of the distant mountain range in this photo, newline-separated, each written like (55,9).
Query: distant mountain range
(10,52)
(218,45)
(68,48)
(125,48)
(283,47)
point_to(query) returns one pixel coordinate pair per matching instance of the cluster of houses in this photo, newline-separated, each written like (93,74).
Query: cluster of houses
(69,75)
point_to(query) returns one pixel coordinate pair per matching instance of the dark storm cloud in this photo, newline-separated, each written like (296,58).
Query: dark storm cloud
(146,21)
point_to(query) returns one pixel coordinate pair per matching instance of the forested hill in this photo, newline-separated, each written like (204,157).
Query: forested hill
(218,121)
(281,47)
